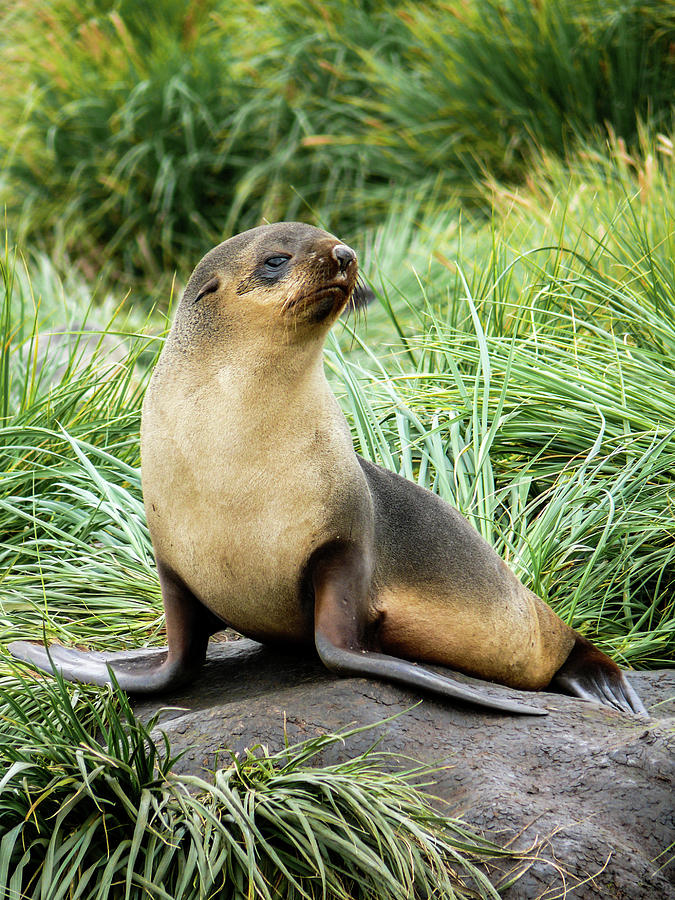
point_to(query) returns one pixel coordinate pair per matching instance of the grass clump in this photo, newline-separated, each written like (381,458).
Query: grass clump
(88,799)
(147,137)
(564,463)
(135,130)
(605,212)
(72,524)
(490,81)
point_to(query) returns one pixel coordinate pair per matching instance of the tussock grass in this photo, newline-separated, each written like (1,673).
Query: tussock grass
(532,387)
(74,546)
(151,135)
(135,125)
(605,217)
(488,81)
(562,463)
(88,801)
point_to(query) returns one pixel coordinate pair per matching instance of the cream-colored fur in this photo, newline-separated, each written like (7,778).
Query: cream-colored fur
(248,467)
(516,640)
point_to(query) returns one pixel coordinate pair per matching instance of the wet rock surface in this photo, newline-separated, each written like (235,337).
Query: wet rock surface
(595,785)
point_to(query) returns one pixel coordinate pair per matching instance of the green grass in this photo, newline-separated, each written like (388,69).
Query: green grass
(142,138)
(561,452)
(530,382)
(604,212)
(72,523)
(488,81)
(90,808)
(518,362)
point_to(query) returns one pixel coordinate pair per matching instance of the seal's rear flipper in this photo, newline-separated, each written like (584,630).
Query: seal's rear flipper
(591,675)
(390,668)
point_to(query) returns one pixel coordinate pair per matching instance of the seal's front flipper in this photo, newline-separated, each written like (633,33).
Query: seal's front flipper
(94,668)
(377,665)
(340,580)
(188,624)
(591,675)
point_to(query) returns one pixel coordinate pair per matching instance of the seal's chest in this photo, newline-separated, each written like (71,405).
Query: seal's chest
(241,489)
(240,532)
(247,564)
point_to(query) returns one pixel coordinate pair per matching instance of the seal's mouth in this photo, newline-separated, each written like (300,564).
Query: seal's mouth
(346,291)
(321,302)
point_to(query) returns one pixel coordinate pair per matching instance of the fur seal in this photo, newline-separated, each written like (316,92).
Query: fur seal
(263,517)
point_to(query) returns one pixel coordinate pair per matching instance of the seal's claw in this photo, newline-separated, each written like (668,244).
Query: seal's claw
(591,675)
(631,698)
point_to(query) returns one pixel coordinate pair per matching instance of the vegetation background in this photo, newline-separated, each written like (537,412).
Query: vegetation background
(504,169)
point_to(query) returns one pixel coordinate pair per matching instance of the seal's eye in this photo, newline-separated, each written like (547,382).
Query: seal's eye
(275,262)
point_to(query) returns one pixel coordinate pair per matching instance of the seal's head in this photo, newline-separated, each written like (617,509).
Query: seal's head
(288,277)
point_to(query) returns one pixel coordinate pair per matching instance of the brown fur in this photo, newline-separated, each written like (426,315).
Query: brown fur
(245,451)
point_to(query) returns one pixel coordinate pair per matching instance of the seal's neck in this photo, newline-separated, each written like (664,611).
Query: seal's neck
(257,371)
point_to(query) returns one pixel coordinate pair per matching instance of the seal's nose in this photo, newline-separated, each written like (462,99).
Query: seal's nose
(344,256)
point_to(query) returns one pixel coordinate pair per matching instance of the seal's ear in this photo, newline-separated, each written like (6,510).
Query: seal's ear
(207,288)
(361,297)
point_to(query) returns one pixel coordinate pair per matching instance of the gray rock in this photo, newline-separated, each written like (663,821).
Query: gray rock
(594,784)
